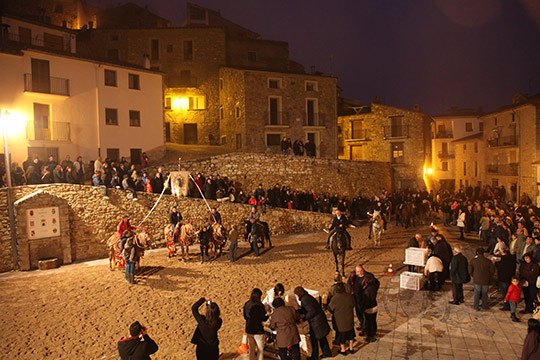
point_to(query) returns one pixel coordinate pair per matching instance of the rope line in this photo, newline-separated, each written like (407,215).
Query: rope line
(157,201)
(206,202)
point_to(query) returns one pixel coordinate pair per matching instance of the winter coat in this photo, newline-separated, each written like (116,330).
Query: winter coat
(313,313)
(513,293)
(506,268)
(459,269)
(342,308)
(133,348)
(283,320)
(433,264)
(481,270)
(254,314)
(529,272)
(204,335)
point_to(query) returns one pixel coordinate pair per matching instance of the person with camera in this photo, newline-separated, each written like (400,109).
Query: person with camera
(138,345)
(205,336)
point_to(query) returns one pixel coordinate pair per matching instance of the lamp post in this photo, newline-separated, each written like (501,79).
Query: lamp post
(6,117)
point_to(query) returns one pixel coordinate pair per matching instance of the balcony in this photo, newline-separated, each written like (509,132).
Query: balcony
(503,169)
(276,118)
(55,43)
(359,135)
(314,119)
(443,135)
(46,85)
(55,131)
(446,155)
(396,132)
(182,81)
(511,140)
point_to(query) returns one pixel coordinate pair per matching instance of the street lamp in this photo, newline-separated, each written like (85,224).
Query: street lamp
(5,120)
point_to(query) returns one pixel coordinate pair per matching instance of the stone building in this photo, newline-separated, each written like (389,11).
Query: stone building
(513,146)
(193,58)
(470,159)
(66,104)
(447,127)
(259,108)
(379,132)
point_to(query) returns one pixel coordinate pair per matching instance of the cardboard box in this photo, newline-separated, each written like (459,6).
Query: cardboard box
(415,256)
(411,281)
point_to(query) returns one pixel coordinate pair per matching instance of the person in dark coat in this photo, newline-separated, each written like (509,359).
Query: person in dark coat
(175,217)
(481,270)
(138,346)
(342,308)
(205,335)
(204,243)
(255,314)
(283,320)
(506,269)
(459,274)
(369,304)
(443,251)
(340,223)
(531,345)
(528,273)
(311,311)
(356,282)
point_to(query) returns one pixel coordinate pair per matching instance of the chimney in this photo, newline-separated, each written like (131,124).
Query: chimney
(146,61)
(377,99)
(416,107)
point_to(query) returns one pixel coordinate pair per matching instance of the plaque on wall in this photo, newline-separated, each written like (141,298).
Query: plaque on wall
(43,223)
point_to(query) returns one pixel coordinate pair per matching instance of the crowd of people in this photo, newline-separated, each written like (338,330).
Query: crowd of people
(298,147)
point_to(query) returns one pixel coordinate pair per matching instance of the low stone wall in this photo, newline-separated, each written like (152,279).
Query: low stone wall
(345,177)
(93,219)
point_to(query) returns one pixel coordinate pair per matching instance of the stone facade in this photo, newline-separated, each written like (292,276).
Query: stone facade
(346,178)
(470,161)
(259,108)
(92,219)
(388,134)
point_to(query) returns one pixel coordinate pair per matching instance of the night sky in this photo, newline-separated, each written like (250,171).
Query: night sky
(436,53)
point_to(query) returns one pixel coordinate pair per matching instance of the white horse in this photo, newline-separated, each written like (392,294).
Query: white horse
(376,227)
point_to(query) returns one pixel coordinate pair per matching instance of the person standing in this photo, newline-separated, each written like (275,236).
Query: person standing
(459,274)
(461,224)
(414,242)
(512,298)
(356,282)
(506,270)
(481,270)
(204,243)
(318,324)
(433,270)
(369,304)
(341,306)
(233,243)
(130,257)
(205,336)
(255,314)
(138,345)
(283,320)
(528,273)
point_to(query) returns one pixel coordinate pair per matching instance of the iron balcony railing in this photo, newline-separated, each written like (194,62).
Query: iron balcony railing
(55,131)
(276,118)
(62,45)
(46,85)
(397,131)
(314,119)
(446,155)
(511,140)
(503,169)
(443,135)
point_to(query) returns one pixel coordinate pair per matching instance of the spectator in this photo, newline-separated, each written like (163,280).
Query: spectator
(17,174)
(369,304)
(528,273)
(481,270)
(332,290)
(126,185)
(97,181)
(531,345)
(205,336)
(67,162)
(255,314)
(310,148)
(318,324)
(459,274)
(58,174)
(47,177)
(98,165)
(144,160)
(414,242)
(461,224)
(512,298)
(71,176)
(138,345)
(32,177)
(506,269)
(286,146)
(298,147)
(130,257)
(204,243)
(284,320)
(51,164)
(233,243)
(341,306)
(78,166)
(434,270)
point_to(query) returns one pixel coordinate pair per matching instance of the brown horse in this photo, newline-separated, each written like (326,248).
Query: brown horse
(218,238)
(187,238)
(171,236)
(140,241)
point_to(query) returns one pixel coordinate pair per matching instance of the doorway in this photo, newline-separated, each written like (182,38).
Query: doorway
(190,134)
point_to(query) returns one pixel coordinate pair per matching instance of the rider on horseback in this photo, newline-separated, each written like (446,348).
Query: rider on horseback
(340,223)
(124,225)
(254,215)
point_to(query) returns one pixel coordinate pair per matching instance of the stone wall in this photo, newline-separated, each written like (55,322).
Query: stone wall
(93,219)
(347,178)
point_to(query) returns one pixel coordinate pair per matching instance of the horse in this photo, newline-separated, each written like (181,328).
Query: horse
(218,238)
(140,241)
(376,228)
(338,243)
(187,238)
(171,236)
(261,237)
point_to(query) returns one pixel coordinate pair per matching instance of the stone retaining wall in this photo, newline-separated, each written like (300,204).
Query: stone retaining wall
(345,177)
(93,219)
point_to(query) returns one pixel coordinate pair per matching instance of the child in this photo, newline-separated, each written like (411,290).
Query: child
(262,204)
(513,295)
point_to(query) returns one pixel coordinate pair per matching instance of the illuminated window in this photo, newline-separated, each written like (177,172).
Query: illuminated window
(197,102)
(397,153)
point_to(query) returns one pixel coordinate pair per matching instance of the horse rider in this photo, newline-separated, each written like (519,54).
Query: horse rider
(124,225)
(214,217)
(175,217)
(257,218)
(340,223)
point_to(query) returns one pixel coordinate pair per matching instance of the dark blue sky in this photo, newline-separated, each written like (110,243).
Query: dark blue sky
(437,53)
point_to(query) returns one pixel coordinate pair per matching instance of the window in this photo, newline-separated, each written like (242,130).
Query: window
(220,84)
(169,48)
(311,85)
(197,103)
(41,80)
(154,49)
(110,78)
(475,147)
(114,37)
(476,168)
(238,141)
(112,54)
(274,83)
(134,82)
(468,127)
(224,140)
(237,111)
(274,111)
(25,35)
(312,112)
(188,50)
(168,103)
(397,153)
(444,147)
(357,130)
(481,126)
(168,132)
(464,168)
(396,127)
(495,119)
(464,147)
(221,112)
(273,139)
(134,118)
(445,166)
(111,116)
(252,56)
(113,154)
(135,156)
